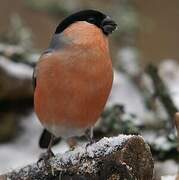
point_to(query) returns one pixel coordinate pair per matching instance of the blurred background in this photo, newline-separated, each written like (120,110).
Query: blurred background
(145,56)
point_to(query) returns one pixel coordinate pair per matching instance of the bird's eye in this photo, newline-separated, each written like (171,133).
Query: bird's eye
(91,20)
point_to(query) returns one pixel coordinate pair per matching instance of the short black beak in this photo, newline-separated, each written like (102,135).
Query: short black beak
(108,25)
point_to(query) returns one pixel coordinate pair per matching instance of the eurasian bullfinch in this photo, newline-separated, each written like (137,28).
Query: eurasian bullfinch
(73,77)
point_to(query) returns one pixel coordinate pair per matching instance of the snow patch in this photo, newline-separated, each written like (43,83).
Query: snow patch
(168,177)
(19,70)
(125,92)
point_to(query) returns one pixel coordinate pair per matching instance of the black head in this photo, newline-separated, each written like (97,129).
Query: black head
(91,16)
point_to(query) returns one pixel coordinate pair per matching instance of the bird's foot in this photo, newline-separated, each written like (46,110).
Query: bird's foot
(72,143)
(44,157)
(89,143)
(89,136)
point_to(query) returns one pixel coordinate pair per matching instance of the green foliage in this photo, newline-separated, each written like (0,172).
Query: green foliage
(166,148)
(116,121)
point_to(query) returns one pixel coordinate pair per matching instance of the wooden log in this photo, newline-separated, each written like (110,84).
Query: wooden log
(121,157)
(15,80)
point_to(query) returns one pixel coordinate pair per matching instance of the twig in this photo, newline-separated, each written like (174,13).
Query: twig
(161,91)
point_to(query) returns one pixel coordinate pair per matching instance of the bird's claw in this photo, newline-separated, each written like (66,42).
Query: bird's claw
(90,143)
(44,157)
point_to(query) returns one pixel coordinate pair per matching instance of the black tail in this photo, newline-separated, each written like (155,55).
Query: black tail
(45,139)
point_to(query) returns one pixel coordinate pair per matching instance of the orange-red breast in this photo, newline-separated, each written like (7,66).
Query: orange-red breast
(73,77)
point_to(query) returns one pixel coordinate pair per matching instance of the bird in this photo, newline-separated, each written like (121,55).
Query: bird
(73,77)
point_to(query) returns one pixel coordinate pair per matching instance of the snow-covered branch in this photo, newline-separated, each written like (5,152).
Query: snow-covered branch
(121,157)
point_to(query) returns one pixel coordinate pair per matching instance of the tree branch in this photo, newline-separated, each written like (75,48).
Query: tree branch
(161,91)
